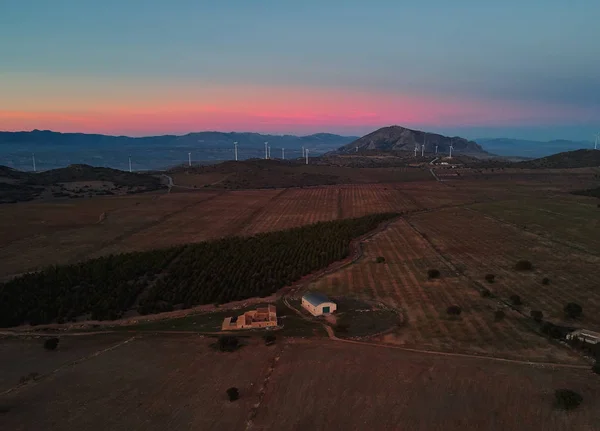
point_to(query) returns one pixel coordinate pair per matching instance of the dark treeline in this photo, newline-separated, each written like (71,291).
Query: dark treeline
(209,272)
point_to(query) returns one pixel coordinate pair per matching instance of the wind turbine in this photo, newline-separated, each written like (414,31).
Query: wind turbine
(423,150)
(130,163)
(436,149)
(596,142)
(306,154)
(235,150)
(303,151)
(416,149)
(269,151)
(283,154)
(357,149)
(190,159)
(266,151)
(33,158)
(451,147)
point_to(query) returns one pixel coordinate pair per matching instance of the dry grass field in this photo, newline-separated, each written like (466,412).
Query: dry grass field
(177,382)
(478,245)
(402,282)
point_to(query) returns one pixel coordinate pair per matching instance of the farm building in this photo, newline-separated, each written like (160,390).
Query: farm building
(263,317)
(318,304)
(589,337)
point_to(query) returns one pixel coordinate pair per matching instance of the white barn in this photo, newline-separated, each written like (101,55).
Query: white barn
(318,304)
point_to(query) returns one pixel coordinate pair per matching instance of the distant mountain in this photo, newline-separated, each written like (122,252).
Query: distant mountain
(565,160)
(199,139)
(528,148)
(54,150)
(397,138)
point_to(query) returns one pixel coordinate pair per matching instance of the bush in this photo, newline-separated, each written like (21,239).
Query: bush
(499,315)
(269,339)
(537,315)
(380,259)
(545,281)
(433,273)
(523,265)
(228,343)
(485,293)
(515,299)
(233,394)
(567,399)
(454,310)
(596,367)
(51,343)
(573,310)
(490,278)
(342,327)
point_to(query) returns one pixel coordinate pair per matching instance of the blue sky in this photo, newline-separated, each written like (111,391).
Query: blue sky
(509,68)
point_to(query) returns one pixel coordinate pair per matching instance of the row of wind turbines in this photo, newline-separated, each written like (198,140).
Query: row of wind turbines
(436,147)
(305,151)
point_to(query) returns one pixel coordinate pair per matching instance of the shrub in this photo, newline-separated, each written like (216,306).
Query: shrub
(51,343)
(380,259)
(537,315)
(433,273)
(269,339)
(545,281)
(454,310)
(342,327)
(573,310)
(233,394)
(596,367)
(567,399)
(515,299)
(523,265)
(490,278)
(228,343)
(485,293)
(499,315)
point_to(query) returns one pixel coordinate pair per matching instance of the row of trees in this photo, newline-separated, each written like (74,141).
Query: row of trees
(217,271)
(239,268)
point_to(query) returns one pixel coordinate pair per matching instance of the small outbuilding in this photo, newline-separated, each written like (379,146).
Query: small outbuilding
(585,335)
(318,304)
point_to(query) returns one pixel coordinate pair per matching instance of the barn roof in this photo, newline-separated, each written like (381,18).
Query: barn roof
(315,298)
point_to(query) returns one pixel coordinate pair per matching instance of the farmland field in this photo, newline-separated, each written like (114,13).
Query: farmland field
(570,219)
(177,382)
(402,282)
(492,247)
(36,234)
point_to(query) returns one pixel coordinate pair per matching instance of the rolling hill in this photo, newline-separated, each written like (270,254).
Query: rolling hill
(565,160)
(74,181)
(397,138)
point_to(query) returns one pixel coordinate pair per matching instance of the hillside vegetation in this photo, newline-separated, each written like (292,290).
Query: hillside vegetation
(565,160)
(217,271)
(88,180)
(594,192)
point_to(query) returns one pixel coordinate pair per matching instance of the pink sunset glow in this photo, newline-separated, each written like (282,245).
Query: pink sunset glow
(275,111)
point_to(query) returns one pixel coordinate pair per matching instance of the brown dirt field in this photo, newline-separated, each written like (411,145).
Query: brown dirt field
(20,356)
(177,382)
(480,245)
(150,383)
(402,283)
(324,385)
(37,234)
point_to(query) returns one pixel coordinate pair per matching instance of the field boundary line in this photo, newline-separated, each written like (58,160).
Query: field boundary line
(64,366)
(245,222)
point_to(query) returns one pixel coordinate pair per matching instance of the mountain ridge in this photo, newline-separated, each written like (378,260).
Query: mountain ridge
(398,138)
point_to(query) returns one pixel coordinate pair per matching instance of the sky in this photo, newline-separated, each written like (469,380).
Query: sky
(511,68)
